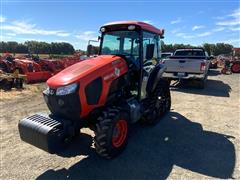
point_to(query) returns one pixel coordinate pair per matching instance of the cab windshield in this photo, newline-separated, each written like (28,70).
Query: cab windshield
(121,43)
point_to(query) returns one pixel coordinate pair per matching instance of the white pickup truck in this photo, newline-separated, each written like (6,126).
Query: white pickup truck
(187,64)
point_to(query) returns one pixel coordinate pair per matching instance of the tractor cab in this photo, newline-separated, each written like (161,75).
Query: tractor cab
(139,44)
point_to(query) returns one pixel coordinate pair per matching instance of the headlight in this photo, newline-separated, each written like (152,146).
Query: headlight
(46,91)
(66,89)
(131,27)
(103,29)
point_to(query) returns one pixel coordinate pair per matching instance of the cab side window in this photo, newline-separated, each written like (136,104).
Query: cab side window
(153,39)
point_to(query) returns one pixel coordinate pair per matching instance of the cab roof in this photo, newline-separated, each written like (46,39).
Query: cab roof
(142,25)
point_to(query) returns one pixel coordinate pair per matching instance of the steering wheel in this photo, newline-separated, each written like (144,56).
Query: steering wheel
(147,67)
(148,63)
(132,63)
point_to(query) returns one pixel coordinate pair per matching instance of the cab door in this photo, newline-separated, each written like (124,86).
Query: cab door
(151,57)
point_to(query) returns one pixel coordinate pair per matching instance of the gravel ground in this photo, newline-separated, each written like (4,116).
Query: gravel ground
(198,139)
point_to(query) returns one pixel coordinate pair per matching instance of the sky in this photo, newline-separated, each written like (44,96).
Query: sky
(75,21)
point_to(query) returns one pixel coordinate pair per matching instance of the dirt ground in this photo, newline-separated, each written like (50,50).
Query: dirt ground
(198,139)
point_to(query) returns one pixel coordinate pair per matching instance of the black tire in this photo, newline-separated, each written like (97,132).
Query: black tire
(3,67)
(158,103)
(201,84)
(235,68)
(77,132)
(19,83)
(7,85)
(104,133)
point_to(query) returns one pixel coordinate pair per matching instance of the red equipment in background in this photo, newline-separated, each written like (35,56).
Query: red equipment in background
(31,69)
(231,66)
(235,67)
(36,70)
(52,65)
(68,61)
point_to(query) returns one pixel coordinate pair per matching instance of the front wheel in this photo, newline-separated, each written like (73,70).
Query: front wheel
(111,133)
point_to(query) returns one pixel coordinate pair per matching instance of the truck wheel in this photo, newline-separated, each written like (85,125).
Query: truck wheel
(201,84)
(111,133)
(158,103)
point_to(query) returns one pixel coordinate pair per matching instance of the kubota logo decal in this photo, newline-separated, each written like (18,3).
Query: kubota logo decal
(116,73)
(109,76)
(51,91)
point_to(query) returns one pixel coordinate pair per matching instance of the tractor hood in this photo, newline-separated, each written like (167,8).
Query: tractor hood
(84,70)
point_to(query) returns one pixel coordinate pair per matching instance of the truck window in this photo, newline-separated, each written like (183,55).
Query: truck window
(189,53)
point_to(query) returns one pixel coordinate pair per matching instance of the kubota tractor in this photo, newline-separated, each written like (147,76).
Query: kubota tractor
(52,65)
(31,69)
(119,87)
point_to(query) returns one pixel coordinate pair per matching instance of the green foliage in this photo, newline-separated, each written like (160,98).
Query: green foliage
(219,48)
(212,49)
(60,48)
(174,47)
(35,47)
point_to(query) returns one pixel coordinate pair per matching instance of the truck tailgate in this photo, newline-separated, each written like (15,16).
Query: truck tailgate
(183,65)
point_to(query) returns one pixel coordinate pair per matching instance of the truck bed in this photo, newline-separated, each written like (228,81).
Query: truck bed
(184,64)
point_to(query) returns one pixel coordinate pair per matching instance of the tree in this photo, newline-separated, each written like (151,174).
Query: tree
(222,48)
(209,48)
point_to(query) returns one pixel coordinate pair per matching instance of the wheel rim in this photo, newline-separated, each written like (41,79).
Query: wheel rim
(119,133)
(162,103)
(236,68)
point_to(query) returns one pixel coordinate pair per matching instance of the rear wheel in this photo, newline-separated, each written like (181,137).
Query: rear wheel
(158,103)
(3,67)
(235,68)
(7,85)
(111,133)
(201,83)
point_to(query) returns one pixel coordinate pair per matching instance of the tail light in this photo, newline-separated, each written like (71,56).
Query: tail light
(202,66)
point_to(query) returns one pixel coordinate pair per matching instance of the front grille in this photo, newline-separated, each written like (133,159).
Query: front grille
(66,106)
(44,121)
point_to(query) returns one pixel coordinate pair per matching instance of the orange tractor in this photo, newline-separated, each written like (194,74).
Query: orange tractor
(36,70)
(107,93)
(235,67)
(31,69)
(52,65)
(230,66)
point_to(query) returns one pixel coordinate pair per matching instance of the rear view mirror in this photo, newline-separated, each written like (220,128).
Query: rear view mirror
(149,51)
(89,50)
